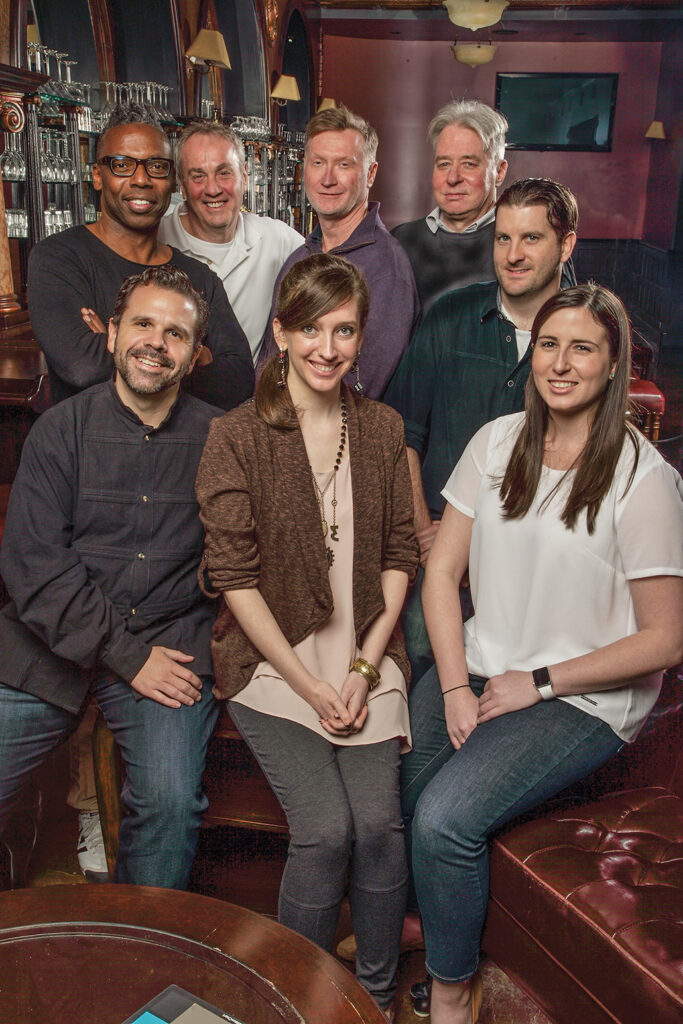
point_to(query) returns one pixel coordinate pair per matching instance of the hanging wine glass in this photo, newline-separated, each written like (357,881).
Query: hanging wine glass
(33,56)
(48,169)
(64,163)
(12,163)
(58,87)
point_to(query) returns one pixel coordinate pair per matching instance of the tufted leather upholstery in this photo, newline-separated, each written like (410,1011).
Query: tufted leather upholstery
(586,906)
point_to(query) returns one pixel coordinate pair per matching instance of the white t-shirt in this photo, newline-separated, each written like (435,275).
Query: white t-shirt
(523,338)
(248,266)
(542,593)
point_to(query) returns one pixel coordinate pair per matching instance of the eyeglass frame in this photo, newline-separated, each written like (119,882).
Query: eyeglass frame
(106,160)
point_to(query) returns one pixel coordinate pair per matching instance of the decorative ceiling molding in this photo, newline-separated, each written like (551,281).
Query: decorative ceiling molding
(515,5)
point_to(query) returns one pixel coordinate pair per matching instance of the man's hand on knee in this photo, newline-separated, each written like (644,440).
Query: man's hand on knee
(166,679)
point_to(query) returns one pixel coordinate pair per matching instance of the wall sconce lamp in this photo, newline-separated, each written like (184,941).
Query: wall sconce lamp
(474,54)
(285,89)
(207,51)
(655,131)
(326,103)
(474,14)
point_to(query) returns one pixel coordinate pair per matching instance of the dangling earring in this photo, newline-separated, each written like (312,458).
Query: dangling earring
(282,381)
(357,387)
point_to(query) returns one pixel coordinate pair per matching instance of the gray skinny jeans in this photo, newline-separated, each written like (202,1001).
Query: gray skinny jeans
(343,810)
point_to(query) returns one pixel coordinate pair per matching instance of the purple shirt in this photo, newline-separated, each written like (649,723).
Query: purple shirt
(394,305)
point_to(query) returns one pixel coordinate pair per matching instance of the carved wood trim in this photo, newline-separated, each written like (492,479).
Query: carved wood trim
(103,34)
(181,77)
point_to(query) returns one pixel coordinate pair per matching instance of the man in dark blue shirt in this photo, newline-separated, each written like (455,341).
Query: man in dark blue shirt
(100,556)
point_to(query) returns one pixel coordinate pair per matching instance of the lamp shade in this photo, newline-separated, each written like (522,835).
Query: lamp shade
(473,54)
(327,103)
(474,14)
(655,131)
(286,89)
(209,48)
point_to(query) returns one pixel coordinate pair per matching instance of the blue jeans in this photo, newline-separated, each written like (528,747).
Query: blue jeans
(453,800)
(418,644)
(164,750)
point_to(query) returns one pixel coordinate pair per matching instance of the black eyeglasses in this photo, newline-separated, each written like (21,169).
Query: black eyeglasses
(126,166)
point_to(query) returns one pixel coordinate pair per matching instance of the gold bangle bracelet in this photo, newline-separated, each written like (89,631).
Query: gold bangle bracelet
(368,671)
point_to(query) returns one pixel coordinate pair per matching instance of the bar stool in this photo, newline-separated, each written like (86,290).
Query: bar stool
(108,780)
(650,404)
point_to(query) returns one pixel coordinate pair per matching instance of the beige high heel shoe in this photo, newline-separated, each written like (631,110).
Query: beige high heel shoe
(476,995)
(421,996)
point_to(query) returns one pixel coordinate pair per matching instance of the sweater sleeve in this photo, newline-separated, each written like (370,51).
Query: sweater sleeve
(59,285)
(54,595)
(224,492)
(401,549)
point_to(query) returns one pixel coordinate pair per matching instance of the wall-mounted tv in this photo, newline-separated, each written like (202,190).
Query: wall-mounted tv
(558,111)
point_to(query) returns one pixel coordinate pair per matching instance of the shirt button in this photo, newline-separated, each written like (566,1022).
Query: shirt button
(132,611)
(145,498)
(141,554)
(146,437)
(511,383)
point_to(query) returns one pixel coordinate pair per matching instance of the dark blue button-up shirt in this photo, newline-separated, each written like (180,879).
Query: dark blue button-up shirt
(461,370)
(102,544)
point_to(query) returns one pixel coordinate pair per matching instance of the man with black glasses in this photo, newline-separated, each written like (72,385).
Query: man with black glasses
(74,276)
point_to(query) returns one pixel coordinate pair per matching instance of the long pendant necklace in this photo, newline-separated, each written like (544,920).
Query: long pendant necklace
(333,529)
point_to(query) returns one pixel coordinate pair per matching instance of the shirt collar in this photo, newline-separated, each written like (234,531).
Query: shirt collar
(435,221)
(127,412)
(363,235)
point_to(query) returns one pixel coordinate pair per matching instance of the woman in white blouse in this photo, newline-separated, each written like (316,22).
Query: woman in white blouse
(571,527)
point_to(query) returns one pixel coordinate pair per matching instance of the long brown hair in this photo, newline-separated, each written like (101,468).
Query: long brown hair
(599,458)
(310,289)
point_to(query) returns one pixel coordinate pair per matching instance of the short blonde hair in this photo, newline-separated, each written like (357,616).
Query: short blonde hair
(338,119)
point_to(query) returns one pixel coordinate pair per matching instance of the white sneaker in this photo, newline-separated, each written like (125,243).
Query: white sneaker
(92,859)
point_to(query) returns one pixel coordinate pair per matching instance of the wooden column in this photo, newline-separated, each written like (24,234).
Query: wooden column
(15,85)
(11,120)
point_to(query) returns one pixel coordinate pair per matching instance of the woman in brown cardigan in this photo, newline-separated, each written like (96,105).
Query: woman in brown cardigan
(306,501)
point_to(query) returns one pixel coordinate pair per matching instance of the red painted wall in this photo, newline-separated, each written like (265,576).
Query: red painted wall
(398,85)
(666,157)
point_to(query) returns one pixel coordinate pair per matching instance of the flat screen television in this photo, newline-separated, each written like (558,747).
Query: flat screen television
(558,111)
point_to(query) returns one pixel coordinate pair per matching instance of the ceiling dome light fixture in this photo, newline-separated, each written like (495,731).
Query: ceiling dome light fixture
(474,14)
(473,54)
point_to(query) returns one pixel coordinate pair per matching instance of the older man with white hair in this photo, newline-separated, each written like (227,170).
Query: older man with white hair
(453,245)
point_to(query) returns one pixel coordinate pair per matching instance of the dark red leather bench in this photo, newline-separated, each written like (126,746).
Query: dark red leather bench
(586,906)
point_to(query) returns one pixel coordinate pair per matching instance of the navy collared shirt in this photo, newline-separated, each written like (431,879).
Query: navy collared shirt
(461,370)
(102,544)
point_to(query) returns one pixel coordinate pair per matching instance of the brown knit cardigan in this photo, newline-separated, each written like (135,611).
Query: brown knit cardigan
(262,524)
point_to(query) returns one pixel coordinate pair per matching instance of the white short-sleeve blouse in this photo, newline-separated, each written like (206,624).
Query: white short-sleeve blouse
(542,593)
